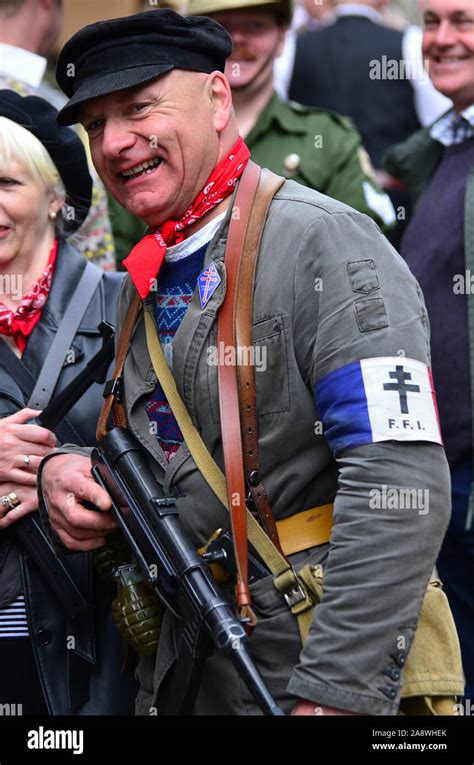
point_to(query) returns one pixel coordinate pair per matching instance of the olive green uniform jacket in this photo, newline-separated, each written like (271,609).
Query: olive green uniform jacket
(321,150)
(315,147)
(378,562)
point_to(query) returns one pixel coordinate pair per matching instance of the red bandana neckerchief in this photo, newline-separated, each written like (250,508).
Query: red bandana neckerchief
(146,258)
(20,323)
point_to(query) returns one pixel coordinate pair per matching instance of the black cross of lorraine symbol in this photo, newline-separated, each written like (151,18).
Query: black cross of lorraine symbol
(401,387)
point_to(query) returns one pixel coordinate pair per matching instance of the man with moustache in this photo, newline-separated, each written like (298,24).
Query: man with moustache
(151,94)
(315,147)
(437,166)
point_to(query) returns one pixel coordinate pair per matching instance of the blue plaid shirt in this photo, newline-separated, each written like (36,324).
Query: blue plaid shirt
(453,129)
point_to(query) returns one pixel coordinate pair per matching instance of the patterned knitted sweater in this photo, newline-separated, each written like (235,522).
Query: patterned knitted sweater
(176,284)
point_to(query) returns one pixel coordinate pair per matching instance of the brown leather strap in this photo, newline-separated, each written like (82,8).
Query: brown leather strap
(118,414)
(228,390)
(268,187)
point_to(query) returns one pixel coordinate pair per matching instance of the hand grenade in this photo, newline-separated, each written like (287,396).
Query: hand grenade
(136,610)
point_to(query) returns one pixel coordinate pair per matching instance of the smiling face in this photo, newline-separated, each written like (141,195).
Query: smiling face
(258,39)
(154,147)
(25,204)
(448,45)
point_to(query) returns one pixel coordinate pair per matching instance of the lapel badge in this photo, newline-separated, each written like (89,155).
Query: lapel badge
(208,281)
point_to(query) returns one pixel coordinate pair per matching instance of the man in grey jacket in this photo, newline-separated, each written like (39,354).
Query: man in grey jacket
(346,411)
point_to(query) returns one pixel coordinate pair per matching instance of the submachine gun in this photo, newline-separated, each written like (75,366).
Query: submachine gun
(179,575)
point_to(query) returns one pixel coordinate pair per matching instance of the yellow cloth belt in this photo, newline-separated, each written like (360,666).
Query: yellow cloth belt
(304,530)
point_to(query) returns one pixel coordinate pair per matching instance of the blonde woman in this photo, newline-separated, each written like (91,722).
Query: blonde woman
(52,660)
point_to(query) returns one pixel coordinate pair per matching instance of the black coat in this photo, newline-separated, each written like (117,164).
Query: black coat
(334,69)
(86,678)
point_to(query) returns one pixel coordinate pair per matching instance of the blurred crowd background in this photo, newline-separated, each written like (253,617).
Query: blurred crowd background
(77,13)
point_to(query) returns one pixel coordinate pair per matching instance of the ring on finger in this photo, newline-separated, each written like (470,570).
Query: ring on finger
(26,461)
(10,501)
(13,499)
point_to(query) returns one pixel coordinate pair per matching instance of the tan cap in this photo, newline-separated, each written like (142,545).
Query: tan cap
(206,7)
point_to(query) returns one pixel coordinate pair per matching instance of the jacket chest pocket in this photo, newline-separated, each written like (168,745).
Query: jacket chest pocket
(268,355)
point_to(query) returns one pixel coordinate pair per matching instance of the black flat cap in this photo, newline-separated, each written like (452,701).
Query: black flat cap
(62,144)
(114,55)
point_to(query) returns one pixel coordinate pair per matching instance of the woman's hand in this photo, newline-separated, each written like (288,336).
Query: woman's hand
(18,440)
(28,502)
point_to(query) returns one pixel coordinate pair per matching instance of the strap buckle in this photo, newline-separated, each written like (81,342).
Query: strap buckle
(293,591)
(295,595)
(114,387)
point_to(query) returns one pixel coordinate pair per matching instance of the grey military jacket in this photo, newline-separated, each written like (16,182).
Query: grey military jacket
(313,313)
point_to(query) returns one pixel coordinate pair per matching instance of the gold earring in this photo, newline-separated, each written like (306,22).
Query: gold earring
(52,215)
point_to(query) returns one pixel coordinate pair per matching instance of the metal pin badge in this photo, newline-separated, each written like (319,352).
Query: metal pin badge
(208,281)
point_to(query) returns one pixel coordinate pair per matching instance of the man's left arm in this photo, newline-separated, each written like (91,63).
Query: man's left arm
(382,552)
(369,371)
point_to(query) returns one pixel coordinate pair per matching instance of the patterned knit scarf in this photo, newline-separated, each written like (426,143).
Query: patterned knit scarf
(20,323)
(146,258)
